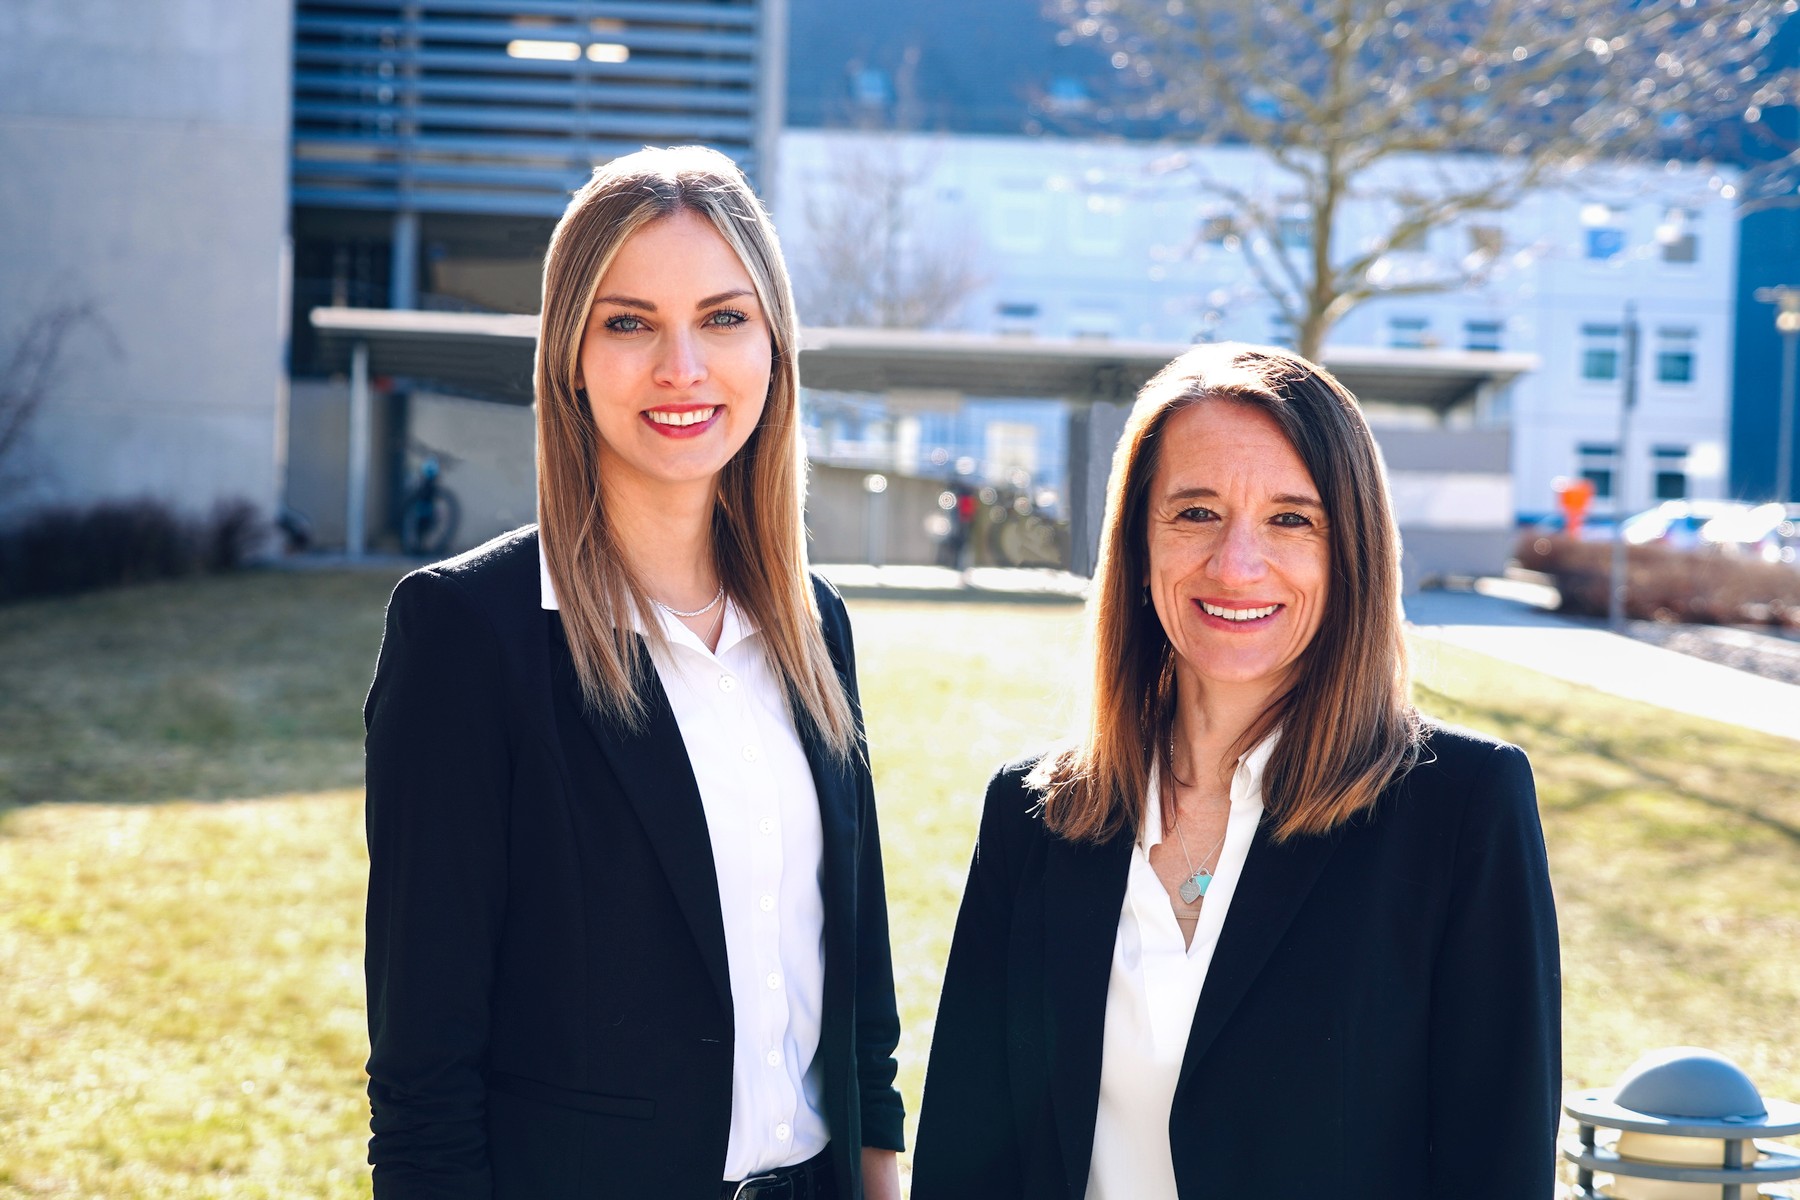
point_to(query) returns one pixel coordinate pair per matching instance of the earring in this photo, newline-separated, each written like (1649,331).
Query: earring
(1144,596)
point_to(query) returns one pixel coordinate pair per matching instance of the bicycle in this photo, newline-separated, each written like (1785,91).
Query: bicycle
(429,514)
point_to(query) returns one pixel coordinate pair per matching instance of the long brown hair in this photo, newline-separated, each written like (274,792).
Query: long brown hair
(758,535)
(1347,726)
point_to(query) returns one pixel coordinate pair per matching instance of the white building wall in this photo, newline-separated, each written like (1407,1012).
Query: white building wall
(145,144)
(1107,239)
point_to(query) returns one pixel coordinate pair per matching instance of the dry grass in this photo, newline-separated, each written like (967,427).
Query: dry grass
(180,993)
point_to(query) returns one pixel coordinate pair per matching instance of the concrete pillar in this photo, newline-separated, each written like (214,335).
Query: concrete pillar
(1094,431)
(356,497)
(403,263)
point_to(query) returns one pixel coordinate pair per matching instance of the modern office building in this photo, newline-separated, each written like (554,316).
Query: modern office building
(145,189)
(1074,234)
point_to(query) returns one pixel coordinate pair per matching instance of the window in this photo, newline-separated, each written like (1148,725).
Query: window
(1215,229)
(1600,346)
(1604,232)
(1099,222)
(1483,334)
(1670,478)
(1605,244)
(1486,241)
(1676,236)
(1675,355)
(1015,316)
(1019,222)
(1409,333)
(1597,465)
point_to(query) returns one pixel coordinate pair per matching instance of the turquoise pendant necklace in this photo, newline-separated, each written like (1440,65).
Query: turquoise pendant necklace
(1193,888)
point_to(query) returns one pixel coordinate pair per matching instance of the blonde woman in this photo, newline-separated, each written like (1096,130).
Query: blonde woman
(627,933)
(1264,931)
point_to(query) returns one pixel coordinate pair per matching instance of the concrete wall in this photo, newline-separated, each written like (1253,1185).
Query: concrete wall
(145,152)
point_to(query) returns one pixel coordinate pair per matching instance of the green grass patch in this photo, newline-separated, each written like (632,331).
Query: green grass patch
(181,865)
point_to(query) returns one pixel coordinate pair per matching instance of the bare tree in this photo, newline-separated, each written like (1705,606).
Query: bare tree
(871,259)
(28,374)
(1421,113)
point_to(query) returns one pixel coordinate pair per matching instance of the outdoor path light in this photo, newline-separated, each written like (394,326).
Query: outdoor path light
(1688,1123)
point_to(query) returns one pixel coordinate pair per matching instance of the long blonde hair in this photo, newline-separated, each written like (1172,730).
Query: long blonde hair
(758,533)
(1348,727)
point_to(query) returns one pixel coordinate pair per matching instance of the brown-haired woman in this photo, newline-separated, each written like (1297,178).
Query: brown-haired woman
(627,934)
(1262,931)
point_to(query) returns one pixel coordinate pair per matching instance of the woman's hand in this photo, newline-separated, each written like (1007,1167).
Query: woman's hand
(881,1174)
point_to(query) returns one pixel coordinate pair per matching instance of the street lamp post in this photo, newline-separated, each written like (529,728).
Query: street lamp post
(1787,322)
(1615,602)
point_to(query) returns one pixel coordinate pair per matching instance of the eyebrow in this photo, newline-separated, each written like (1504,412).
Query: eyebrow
(647,306)
(1206,493)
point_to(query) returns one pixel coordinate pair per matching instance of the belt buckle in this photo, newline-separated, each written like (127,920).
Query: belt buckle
(765,1187)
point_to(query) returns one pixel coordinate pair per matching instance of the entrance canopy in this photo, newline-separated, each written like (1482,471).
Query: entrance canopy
(489,357)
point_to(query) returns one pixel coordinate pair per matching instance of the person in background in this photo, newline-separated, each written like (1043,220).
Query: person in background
(627,932)
(1263,930)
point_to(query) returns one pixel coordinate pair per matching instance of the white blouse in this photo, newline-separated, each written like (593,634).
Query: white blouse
(762,818)
(1150,999)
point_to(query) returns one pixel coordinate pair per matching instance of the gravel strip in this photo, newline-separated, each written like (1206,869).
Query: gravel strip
(1768,655)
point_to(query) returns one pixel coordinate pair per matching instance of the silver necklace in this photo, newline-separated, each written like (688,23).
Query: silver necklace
(1193,888)
(698,612)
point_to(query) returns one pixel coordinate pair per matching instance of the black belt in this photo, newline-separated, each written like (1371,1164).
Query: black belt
(810,1180)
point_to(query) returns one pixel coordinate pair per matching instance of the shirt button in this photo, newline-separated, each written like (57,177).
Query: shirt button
(774,980)
(773,1058)
(750,754)
(782,1132)
(767,904)
(727,683)
(766,825)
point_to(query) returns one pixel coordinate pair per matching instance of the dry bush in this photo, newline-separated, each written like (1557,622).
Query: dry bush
(1666,584)
(57,551)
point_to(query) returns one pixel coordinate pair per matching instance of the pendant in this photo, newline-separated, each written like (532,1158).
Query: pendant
(1194,888)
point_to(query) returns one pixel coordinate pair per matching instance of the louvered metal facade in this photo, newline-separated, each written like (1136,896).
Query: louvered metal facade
(504,106)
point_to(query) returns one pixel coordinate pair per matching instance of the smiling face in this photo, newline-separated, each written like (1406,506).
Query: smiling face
(1238,550)
(675,359)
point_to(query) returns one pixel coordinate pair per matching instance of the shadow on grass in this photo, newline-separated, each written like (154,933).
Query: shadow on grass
(1630,755)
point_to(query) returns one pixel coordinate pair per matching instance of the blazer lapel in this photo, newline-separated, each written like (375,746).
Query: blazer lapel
(1084,890)
(1276,881)
(653,771)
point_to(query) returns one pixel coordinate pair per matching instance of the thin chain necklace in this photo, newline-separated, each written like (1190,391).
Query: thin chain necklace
(698,612)
(1193,888)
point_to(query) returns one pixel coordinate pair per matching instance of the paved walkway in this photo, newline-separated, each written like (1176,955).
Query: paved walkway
(1507,626)
(1502,620)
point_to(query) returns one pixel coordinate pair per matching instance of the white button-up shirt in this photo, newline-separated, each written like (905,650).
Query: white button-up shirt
(762,817)
(1150,999)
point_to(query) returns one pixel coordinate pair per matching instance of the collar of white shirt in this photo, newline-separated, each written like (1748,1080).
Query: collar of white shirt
(737,623)
(1246,788)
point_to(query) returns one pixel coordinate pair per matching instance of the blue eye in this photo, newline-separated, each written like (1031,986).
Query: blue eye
(625,323)
(1195,513)
(1292,520)
(725,318)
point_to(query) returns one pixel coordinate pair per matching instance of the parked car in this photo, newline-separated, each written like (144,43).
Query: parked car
(1593,528)
(1723,525)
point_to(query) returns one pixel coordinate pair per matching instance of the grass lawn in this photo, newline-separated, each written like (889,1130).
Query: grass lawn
(181,865)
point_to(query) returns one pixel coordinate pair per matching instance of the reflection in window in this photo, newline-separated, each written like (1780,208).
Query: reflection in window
(1670,478)
(1597,464)
(1482,334)
(1600,352)
(1409,333)
(1675,355)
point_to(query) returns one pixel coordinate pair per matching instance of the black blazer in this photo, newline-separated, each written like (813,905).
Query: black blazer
(549,1005)
(1380,1020)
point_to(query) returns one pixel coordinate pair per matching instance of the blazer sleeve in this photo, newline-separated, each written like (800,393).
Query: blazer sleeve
(968,1136)
(1495,1069)
(438,764)
(877,1013)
